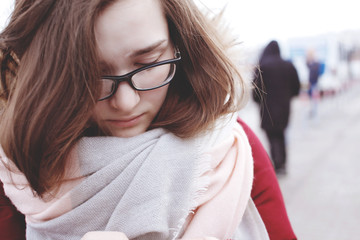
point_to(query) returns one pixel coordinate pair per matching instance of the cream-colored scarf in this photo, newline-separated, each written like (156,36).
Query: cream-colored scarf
(151,186)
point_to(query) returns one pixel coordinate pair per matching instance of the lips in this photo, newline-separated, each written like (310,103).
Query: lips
(126,122)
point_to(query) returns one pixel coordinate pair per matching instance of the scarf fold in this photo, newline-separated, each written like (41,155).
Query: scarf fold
(151,186)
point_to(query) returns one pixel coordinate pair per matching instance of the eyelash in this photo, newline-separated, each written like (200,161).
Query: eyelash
(147,63)
(144,64)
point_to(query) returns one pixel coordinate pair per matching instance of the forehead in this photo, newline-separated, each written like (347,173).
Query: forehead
(127,25)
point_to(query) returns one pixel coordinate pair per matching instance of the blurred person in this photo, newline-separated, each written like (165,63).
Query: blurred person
(120,117)
(314,68)
(276,81)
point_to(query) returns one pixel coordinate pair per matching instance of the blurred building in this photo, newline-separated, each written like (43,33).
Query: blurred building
(339,54)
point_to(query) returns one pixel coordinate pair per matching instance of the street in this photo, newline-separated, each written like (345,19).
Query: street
(322,187)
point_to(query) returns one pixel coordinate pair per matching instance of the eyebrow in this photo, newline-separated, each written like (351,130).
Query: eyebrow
(148,49)
(138,52)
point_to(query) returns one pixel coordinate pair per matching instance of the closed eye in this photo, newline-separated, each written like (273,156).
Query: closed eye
(147,62)
(139,65)
(151,57)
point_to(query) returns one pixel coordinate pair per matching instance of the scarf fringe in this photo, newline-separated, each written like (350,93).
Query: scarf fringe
(201,185)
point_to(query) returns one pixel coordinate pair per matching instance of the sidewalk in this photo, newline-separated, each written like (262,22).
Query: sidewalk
(322,187)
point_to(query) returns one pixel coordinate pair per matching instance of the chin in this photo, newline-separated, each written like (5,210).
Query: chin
(127,133)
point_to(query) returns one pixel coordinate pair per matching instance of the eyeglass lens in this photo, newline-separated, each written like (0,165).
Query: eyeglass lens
(144,80)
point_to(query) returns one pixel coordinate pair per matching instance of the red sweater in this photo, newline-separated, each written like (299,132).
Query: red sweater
(12,223)
(266,195)
(266,192)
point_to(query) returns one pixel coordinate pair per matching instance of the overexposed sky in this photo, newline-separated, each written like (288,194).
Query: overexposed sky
(5,9)
(257,21)
(260,20)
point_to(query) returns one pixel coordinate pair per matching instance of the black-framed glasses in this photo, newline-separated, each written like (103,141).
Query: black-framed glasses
(146,78)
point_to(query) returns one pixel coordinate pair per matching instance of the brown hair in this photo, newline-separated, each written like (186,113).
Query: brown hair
(208,84)
(49,72)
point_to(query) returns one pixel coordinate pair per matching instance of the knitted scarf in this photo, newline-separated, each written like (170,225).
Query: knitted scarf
(151,186)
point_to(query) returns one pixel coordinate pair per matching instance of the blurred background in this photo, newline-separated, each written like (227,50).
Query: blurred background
(321,184)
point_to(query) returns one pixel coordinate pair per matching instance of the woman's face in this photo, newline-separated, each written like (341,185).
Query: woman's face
(129,35)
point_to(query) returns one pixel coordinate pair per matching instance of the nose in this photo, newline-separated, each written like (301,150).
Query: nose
(125,98)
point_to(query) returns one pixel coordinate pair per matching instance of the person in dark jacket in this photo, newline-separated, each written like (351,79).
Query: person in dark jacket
(276,82)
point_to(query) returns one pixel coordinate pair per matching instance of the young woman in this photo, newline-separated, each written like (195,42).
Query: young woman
(120,116)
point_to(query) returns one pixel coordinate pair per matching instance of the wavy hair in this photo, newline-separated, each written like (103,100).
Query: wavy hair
(208,84)
(49,72)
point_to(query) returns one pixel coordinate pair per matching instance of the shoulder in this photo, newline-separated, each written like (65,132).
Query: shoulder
(266,192)
(12,223)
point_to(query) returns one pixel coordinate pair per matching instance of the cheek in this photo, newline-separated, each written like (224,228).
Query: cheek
(156,97)
(162,94)
(98,110)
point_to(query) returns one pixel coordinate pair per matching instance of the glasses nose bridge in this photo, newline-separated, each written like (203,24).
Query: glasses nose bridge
(120,79)
(123,78)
